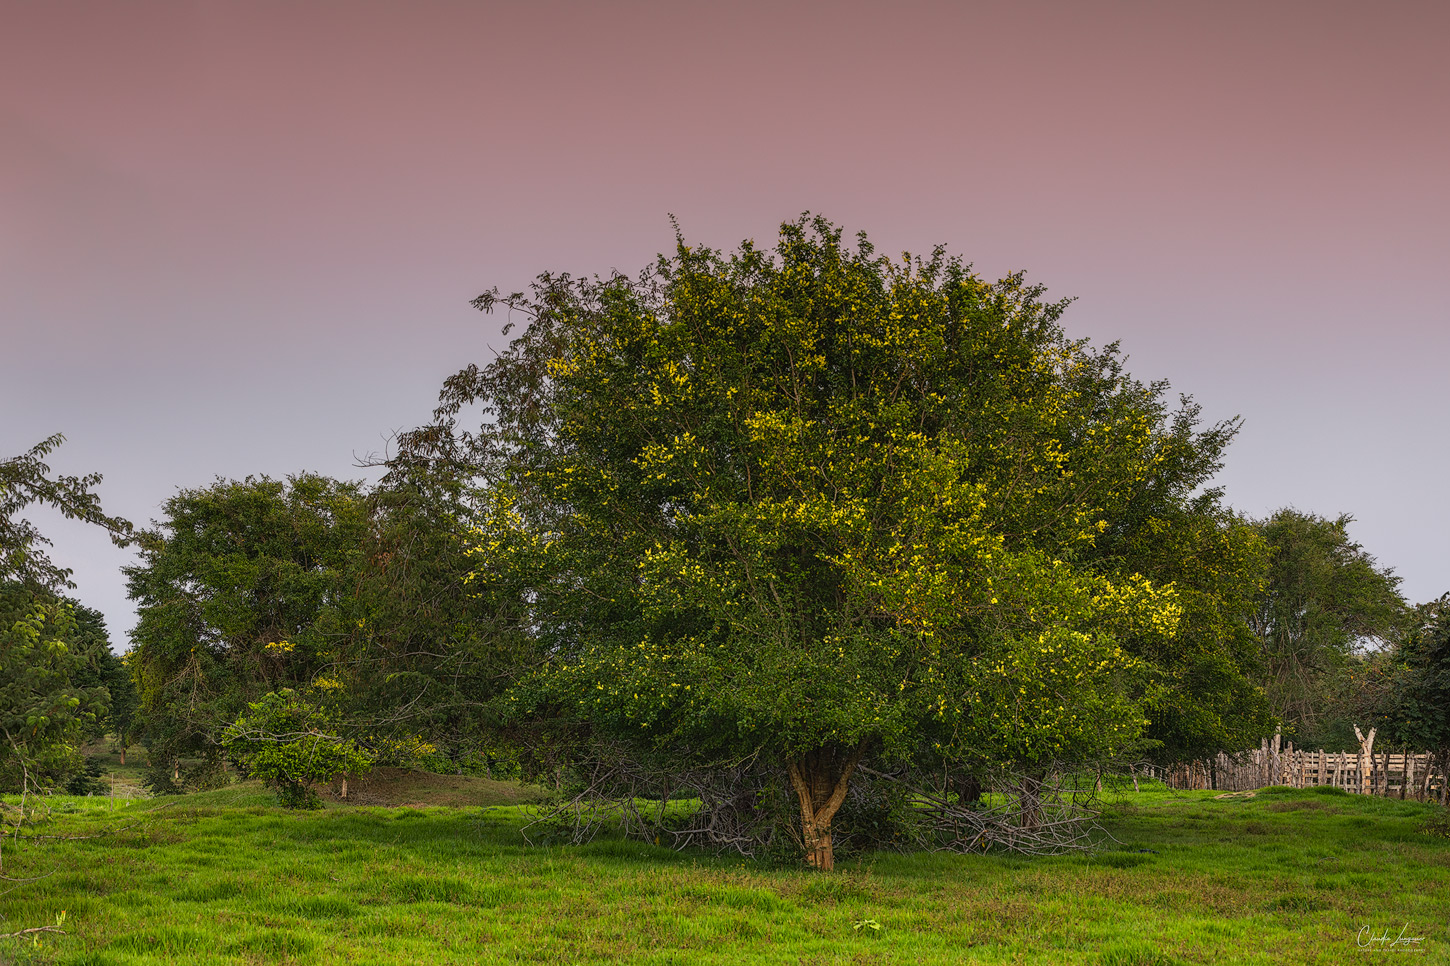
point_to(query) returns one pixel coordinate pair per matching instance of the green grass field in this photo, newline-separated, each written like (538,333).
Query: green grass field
(224,877)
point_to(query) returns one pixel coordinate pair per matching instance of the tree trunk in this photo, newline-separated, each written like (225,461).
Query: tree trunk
(1366,761)
(969,789)
(1029,798)
(1444,775)
(820,780)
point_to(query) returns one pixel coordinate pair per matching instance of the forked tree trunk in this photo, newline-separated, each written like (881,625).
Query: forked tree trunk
(1029,800)
(820,780)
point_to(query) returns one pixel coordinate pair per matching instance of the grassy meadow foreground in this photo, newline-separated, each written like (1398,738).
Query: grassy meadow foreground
(1284,876)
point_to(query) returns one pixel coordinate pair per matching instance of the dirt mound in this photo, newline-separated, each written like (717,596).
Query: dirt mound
(403,786)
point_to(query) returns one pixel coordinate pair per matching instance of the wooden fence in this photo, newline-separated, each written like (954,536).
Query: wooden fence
(1365,772)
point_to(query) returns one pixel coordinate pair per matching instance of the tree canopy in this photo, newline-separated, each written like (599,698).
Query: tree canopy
(1325,602)
(58,677)
(26,480)
(814,505)
(239,592)
(1404,689)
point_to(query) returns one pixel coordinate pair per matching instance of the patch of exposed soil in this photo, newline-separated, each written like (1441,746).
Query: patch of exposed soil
(403,786)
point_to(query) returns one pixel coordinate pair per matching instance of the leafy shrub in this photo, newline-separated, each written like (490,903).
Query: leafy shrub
(289,743)
(474,761)
(412,751)
(170,777)
(205,775)
(160,779)
(409,751)
(1438,823)
(87,781)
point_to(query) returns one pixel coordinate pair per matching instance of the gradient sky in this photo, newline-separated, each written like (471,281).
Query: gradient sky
(241,237)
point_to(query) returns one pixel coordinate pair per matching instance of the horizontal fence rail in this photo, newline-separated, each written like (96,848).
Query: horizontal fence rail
(1419,776)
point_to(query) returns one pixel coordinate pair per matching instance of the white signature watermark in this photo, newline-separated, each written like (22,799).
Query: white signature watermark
(1380,942)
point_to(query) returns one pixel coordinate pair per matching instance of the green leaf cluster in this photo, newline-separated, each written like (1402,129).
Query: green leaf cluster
(26,480)
(1404,690)
(288,740)
(48,707)
(241,590)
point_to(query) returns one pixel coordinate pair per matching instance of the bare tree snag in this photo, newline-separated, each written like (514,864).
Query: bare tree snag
(820,780)
(1366,760)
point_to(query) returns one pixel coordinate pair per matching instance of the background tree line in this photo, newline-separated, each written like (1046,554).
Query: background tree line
(60,683)
(798,516)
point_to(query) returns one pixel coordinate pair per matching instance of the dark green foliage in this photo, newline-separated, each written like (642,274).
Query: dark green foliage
(1423,711)
(55,668)
(88,780)
(241,590)
(298,795)
(1405,689)
(101,668)
(173,777)
(427,652)
(1174,529)
(1325,602)
(47,704)
(257,586)
(162,778)
(875,817)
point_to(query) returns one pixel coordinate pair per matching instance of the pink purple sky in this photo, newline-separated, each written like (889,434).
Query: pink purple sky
(241,237)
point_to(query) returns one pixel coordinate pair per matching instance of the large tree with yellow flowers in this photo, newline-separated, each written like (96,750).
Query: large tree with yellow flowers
(813,506)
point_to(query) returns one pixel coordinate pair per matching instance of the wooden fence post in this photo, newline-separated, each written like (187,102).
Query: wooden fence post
(1366,761)
(1278,762)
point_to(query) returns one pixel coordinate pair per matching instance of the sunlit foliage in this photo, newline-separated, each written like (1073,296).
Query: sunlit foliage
(817,505)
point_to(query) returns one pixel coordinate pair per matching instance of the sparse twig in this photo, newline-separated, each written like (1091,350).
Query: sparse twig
(31,930)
